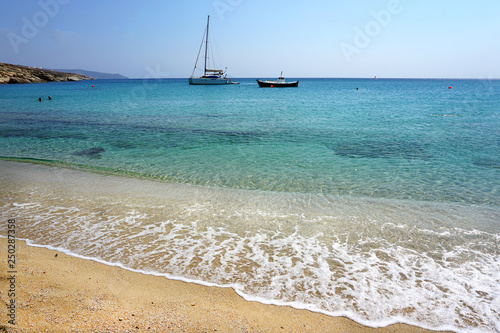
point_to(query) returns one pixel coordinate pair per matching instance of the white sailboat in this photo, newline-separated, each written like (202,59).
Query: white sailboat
(210,76)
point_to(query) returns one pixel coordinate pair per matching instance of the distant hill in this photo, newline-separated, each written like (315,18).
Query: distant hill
(96,75)
(23,74)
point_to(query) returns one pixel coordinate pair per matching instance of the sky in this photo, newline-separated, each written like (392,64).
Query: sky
(257,38)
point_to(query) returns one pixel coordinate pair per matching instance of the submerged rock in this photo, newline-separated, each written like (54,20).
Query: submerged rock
(92,152)
(380,149)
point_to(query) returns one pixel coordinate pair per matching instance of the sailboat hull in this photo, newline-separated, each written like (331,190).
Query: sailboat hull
(208,81)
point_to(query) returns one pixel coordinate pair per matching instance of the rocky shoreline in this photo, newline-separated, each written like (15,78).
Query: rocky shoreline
(24,74)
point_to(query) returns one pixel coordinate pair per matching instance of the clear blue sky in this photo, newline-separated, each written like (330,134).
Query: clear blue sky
(257,38)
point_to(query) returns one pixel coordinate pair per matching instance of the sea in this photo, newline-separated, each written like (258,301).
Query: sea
(374,199)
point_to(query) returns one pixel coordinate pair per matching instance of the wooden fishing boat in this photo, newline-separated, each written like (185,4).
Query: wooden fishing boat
(280,83)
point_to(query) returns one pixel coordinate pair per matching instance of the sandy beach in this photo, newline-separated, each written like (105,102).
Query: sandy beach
(59,293)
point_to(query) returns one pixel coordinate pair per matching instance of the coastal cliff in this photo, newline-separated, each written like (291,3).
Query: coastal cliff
(23,74)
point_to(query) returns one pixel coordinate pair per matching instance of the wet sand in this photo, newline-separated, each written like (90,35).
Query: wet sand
(59,293)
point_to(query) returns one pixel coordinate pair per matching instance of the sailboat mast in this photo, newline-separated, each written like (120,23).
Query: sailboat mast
(206,46)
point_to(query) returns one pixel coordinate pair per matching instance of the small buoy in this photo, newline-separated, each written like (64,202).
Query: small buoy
(271,86)
(449,87)
(92,86)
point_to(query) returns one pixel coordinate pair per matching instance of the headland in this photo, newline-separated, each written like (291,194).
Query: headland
(23,74)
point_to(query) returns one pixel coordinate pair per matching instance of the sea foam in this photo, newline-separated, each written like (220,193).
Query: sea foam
(375,261)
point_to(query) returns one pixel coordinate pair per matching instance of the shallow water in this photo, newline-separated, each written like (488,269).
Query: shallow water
(401,139)
(379,203)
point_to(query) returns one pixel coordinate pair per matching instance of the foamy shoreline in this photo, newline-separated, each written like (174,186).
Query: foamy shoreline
(49,181)
(58,292)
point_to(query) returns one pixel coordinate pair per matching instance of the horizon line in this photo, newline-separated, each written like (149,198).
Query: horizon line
(320,77)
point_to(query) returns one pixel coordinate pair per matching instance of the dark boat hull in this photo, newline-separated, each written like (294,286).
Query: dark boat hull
(268,84)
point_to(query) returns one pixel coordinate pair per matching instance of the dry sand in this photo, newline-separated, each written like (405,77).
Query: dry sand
(59,293)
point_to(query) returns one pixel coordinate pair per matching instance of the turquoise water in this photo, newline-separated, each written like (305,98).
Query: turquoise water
(301,190)
(406,139)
